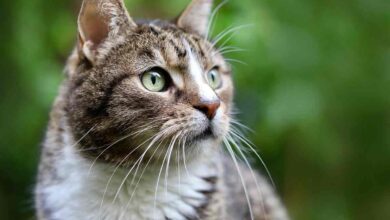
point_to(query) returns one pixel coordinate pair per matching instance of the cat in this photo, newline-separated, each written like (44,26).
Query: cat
(137,129)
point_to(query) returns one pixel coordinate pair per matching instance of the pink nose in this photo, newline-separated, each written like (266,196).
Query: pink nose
(208,108)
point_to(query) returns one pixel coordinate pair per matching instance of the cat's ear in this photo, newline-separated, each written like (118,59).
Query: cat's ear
(100,24)
(195,17)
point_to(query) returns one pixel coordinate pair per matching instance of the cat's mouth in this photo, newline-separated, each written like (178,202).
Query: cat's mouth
(205,134)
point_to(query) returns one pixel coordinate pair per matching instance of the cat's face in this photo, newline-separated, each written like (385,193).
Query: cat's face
(147,88)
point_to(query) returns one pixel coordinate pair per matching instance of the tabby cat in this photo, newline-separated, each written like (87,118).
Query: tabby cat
(137,129)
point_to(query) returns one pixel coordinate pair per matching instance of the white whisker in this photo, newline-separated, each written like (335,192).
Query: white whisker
(231,51)
(220,36)
(230,138)
(138,161)
(85,135)
(140,177)
(229,148)
(108,147)
(241,125)
(236,60)
(212,17)
(184,157)
(247,143)
(157,184)
(116,168)
(178,165)
(169,159)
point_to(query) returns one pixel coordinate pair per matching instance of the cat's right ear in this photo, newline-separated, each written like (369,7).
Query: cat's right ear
(195,18)
(101,25)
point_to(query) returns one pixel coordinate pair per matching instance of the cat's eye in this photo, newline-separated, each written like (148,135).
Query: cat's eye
(214,79)
(154,81)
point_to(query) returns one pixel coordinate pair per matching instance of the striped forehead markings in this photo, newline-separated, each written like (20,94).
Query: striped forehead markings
(181,53)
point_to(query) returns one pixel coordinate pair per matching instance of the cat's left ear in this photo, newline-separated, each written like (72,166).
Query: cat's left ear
(195,18)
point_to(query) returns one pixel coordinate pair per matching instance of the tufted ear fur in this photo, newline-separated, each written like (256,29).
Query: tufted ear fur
(195,17)
(101,24)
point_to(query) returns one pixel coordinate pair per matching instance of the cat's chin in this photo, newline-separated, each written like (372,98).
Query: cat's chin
(205,136)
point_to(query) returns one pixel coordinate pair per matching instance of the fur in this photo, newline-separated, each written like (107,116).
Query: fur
(115,150)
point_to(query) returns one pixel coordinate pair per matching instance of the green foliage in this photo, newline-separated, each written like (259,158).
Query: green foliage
(315,90)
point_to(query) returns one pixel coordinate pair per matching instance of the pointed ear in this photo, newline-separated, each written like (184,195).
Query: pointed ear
(99,22)
(195,17)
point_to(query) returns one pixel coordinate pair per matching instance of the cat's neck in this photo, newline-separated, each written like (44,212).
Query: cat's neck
(154,192)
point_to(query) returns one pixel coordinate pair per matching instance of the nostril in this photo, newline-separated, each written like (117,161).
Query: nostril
(202,108)
(209,109)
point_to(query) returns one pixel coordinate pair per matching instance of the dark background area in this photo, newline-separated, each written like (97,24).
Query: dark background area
(315,91)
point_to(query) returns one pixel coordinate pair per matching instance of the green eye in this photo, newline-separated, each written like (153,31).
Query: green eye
(154,81)
(214,79)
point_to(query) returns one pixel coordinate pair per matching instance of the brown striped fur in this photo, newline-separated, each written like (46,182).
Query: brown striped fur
(102,101)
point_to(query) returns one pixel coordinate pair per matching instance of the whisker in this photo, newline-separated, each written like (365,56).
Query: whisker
(101,153)
(157,184)
(227,39)
(243,140)
(135,134)
(139,179)
(85,135)
(143,126)
(231,51)
(159,175)
(184,157)
(118,166)
(231,152)
(230,138)
(169,159)
(241,125)
(136,171)
(223,48)
(125,178)
(213,14)
(120,139)
(178,165)
(221,35)
(234,111)
(236,60)
(138,161)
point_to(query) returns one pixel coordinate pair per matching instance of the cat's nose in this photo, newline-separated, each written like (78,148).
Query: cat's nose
(208,108)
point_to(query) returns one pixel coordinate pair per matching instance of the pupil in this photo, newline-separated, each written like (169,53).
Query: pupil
(212,77)
(154,79)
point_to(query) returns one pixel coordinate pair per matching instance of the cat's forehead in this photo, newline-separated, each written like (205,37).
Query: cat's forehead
(154,43)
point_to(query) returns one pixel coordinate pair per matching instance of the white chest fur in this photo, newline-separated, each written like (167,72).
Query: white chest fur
(103,192)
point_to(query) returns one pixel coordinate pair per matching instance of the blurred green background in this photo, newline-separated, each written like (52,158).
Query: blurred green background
(315,90)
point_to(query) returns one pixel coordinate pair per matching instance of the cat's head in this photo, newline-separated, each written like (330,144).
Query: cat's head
(145,86)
